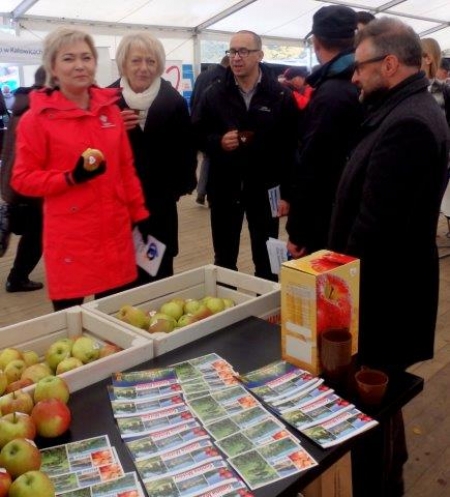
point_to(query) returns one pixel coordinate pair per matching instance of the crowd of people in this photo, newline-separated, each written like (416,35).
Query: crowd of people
(340,151)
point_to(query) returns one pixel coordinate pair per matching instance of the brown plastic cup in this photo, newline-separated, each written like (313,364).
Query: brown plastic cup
(371,385)
(246,137)
(335,352)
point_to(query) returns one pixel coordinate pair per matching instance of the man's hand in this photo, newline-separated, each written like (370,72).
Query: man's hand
(296,251)
(230,141)
(130,118)
(283,208)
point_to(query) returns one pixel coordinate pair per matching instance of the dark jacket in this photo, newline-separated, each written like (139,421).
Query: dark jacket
(21,105)
(330,124)
(204,80)
(267,159)
(386,214)
(165,159)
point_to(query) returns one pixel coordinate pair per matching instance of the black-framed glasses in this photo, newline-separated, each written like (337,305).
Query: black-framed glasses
(243,52)
(358,65)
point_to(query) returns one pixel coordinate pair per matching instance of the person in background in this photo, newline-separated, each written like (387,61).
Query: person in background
(363,17)
(391,188)
(160,133)
(295,79)
(25,212)
(8,97)
(431,61)
(247,125)
(443,73)
(205,79)
(330,124)
(88,211)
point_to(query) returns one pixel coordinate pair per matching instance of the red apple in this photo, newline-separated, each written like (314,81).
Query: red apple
(19,456)
(334,306)
(16,425)
(51,387)
(17,401)
(52,417)
(17,385)
(108,349)
(5,482)
(32,484)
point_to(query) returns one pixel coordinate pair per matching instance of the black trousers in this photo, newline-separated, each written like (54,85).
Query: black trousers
(227,217)
(29,248)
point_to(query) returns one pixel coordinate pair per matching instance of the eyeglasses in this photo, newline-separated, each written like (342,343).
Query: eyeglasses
(358,65)
(243,52)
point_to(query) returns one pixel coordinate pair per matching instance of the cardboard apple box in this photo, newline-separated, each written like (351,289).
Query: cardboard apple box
(252,297)
(39,333)
(318,292)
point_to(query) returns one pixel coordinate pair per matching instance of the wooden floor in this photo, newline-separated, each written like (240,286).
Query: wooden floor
(427,416)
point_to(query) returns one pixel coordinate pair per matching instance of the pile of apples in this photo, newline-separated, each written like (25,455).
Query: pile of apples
(26,415)
(19,369)
(174,314)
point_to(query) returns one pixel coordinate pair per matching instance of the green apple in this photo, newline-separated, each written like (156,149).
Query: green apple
(30,357)
(191,306)
(172,309)
(17,401)
(162,322)
(14,369)
(228,303)
(68,364)
(186,319)
(57,351)
(52,417)
(36,372)
(86,349)
(134,316)
(7,355)
(179,301)
(215,305)
(19,456)
(16,425)
(51,387)
(202,312)
(3,382)
(32,484)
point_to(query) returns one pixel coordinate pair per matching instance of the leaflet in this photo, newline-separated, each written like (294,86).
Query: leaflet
(234,488)
(122,409)
(144,391)
(127,485)
(297,401)
(209,364)
(147,376)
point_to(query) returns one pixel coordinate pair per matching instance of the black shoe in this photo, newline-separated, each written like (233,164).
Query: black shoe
(23,286)
(200,199)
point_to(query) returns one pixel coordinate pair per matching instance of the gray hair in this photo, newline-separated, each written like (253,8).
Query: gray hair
(59,38)
(391,36)
(144,41)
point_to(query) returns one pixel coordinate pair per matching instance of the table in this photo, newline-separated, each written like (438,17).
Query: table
(247,345)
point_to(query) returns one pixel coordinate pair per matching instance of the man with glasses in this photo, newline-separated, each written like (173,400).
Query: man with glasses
(386,213)
(330,122)
(247,124)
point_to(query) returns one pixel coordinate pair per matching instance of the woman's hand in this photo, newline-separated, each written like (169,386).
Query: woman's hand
(130,118)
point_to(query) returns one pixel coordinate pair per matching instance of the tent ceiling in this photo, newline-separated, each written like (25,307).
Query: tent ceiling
(287,19)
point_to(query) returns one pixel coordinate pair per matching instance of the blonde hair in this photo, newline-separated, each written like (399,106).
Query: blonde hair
(144,41)
(431,48)
(57,39)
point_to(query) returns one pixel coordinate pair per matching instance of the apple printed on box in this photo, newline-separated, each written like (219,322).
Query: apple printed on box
(319,292)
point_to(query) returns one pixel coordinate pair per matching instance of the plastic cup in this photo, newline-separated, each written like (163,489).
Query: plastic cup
(371,385)
(335,352)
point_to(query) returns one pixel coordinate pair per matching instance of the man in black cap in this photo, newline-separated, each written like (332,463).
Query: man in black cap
(329,130)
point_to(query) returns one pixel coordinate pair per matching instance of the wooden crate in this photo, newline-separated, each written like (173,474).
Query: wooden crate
(253,297)
(39,333)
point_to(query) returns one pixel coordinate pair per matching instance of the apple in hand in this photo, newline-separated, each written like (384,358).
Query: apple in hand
(68,364)
(36,372)
(57,351)
(86,349)
(52,417)
(334,306)
(51,387)
(17,401)
(19,456)
(16,425)
(5,482)
(32,484)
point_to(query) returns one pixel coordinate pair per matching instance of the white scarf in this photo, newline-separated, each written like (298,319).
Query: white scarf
(140,101)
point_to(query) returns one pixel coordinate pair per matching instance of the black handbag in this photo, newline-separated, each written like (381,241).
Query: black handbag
(5,231)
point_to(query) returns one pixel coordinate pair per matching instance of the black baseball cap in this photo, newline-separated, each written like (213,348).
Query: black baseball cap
(334,22)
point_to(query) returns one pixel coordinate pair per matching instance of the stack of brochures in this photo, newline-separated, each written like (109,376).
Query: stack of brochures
(306,403)
(193,430)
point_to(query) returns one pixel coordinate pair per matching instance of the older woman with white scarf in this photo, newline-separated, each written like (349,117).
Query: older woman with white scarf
(159,128)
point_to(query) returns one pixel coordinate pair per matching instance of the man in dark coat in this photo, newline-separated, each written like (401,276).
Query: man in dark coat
(246,124)
(386,213)
(330,122)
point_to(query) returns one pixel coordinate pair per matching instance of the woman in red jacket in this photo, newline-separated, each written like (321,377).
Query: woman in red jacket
(88,212)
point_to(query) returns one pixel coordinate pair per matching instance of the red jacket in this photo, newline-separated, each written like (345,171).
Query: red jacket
(88,245)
